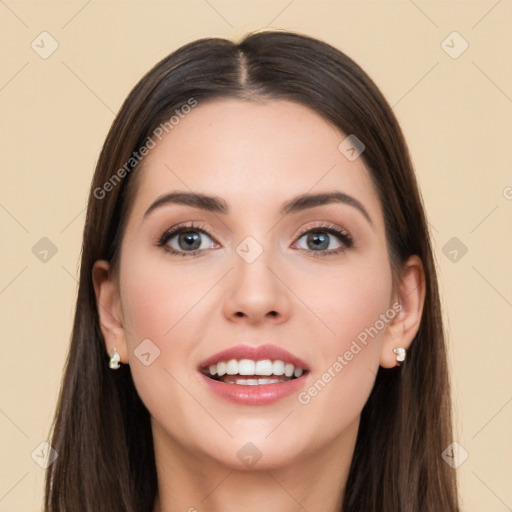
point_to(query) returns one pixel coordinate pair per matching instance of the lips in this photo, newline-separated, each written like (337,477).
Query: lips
(251,375)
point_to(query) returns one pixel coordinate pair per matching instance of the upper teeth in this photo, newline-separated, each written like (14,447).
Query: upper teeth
(250,367)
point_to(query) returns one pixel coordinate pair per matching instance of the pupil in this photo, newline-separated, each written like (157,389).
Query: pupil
(320,240)
(191,239)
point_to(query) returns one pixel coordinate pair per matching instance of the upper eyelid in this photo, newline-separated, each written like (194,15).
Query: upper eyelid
(176,230)
(324,225)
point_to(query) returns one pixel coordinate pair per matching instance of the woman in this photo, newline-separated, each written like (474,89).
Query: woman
(258,324)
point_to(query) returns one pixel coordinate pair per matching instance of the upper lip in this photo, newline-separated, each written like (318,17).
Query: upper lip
(255,353)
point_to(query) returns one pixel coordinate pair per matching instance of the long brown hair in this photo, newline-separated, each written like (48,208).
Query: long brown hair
(101,429)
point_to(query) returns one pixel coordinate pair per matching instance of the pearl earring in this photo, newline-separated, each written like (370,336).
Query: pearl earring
(114,360)
(400,355)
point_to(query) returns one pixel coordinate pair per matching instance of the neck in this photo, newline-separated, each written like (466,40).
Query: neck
(192,483)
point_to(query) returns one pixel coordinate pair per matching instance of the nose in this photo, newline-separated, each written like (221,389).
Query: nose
(257,293)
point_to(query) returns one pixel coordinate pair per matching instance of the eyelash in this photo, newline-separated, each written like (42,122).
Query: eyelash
(345,238)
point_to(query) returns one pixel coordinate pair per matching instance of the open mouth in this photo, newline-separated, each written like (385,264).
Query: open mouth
(248,372)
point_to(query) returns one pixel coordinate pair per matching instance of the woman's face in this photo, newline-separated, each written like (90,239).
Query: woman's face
(258,269)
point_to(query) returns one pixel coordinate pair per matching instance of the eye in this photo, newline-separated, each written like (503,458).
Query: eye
(191,240)
(186,240)
(326,240)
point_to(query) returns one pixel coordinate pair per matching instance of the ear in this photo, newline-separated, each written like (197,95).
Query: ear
(408,301)
(109,309)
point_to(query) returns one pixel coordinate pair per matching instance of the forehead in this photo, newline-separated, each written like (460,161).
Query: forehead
(253,154)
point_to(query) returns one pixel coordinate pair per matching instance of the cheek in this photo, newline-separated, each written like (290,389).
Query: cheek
(349,300)
(353,309)
(157,301)
(156,296)
(161,303)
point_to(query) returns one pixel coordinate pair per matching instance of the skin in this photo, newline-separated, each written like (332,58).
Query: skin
(255,156)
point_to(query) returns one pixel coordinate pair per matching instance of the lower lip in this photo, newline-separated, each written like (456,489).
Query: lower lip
(262,394)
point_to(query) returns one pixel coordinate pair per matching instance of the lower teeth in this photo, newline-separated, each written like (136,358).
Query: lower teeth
(233,379)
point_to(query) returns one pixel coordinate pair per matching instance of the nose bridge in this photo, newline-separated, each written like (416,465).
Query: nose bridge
(256,291)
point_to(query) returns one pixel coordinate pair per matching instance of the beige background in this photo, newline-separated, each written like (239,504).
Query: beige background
(456,114)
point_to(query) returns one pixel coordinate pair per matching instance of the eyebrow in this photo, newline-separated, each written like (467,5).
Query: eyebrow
(218,205)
